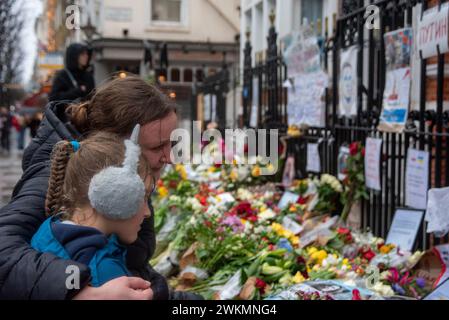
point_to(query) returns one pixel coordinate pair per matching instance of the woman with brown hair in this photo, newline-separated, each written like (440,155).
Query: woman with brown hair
(116,108)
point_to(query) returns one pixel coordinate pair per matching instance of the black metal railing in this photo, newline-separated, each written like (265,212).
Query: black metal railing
(215,85)
(425,130)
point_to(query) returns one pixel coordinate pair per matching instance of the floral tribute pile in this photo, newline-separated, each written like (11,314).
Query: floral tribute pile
(223,238)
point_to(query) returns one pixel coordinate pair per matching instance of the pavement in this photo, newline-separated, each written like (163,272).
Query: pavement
(10,169)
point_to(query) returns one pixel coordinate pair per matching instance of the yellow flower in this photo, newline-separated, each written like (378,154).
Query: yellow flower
(270,168)
(294,240)
(292,208)
(234,175)
(311,250)
(318,256)
(182,171)
(298,278)
(276,227)
(163,192)
(286,234)
(256,171)
(386,248)
(243,221)
(263,208)
(212,169)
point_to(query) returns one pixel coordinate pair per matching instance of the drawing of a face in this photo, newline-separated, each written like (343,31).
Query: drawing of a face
(347,86)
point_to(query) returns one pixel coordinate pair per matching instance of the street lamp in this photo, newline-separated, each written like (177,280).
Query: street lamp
(89,30)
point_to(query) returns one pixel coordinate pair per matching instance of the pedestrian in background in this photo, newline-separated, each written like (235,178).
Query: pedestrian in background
(74,82)
(6,120)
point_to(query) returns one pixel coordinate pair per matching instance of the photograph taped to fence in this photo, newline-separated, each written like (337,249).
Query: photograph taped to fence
(396,100)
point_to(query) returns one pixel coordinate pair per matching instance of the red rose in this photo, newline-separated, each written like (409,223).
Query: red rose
(356,295)
(261,285)
(173,184)
(207,223)
(280,148)
(369,255)
(203,201)
(353,148)
(343,230)
(270,247)
(252,219)
(301,200)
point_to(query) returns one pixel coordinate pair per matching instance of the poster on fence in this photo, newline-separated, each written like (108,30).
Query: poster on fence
(373,152)
(396,99)
(416,179)
(437,214)
(347,106)
(313,158)
(302,52)
(433,31)
(305,100)
(307,80)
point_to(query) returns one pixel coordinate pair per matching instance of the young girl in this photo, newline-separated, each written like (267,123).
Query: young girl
(96,202)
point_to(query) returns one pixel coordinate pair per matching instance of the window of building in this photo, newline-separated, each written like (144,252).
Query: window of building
(188,75)
(312,10)
(167,10)
(175,75)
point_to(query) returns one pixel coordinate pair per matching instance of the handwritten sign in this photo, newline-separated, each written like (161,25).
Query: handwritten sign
(417,179)
(372,163)
(433,31)
(287,198)
(313,158)
(404,228)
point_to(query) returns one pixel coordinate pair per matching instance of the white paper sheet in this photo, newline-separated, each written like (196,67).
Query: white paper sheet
(417,179)
(313,158)
(373,149)
(287,197)
(404,228)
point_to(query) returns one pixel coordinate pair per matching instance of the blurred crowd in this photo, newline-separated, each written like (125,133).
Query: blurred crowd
(18,119)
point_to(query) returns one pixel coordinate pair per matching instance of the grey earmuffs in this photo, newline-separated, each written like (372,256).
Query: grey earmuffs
(118,192)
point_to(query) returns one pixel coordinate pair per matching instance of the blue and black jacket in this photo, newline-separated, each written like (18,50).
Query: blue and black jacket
(105,257)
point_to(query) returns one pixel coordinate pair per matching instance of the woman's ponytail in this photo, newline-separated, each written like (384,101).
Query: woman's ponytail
(60,157)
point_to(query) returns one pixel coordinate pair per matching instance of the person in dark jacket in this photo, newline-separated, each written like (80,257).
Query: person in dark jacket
(117,107)
(5,128)
(74,81)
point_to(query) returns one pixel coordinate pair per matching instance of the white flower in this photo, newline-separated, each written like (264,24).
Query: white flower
(193,220)
(212,211)
(383,289)
(174,198)
(194,204)
(244,194)
(384,275)
(415,258)
(266,214)
(259,229)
